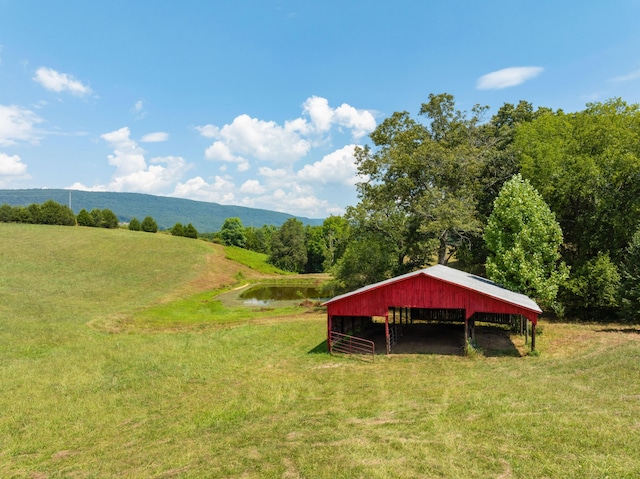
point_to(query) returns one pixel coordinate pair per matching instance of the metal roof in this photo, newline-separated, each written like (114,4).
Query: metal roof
(460,278)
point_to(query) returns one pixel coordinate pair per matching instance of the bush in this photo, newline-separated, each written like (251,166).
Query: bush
(108,219)
(190,231)
(149,225)
(84,218)
(592,290)
(134,224)
(177,230)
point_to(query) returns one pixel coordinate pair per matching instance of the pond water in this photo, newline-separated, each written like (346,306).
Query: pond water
(264,294)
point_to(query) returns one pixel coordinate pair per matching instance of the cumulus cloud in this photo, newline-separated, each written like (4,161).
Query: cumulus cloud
(295,200)
(11,165)
(156,137)
(132,171)
(128,157)
(208,131)
(252,187)
(263,140)
(336,167)
(220,151)
(220,191)
(247,138)
(12,169)
(53,80)
(17,124)
(507,77)
(323,117)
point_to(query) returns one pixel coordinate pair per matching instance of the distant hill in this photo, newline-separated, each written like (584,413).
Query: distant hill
(206,217)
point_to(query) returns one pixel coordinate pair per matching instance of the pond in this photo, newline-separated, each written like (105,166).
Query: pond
(264,294)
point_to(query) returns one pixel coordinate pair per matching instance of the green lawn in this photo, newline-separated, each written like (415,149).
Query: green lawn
(102,376)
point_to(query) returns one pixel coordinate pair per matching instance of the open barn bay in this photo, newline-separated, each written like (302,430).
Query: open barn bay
(100,377)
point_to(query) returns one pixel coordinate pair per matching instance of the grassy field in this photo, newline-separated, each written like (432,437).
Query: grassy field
(118,360)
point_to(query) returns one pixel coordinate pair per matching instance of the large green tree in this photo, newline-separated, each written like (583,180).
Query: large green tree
(365,261)
(523,239)
(314,243)
(426,175)
(232,232)
(335,232)
(288,249)
(259,239)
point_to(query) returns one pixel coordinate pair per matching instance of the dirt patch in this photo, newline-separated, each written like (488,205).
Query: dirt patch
(217,273)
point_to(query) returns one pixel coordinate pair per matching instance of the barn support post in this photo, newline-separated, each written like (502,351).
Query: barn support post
(329,321)
(533,336)
(466,335)
(526,331)
(386,333)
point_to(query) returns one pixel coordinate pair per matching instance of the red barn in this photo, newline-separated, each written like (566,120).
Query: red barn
(438,292)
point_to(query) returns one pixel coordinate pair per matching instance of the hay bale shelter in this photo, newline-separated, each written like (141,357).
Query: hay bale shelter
(437,293)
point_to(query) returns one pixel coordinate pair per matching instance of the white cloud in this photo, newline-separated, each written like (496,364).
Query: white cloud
(321,114)
(138,110)
(323,117)
(156,137)
(128,157)
(248,138)
(252,187)
(18,124)
(634,75)
(220,151)
(12,169)
(220,191)
(336,167)
(11,165)
(132,172)
(263,140)
(297,200)
(360,122)
(59,82)
(208,131)
(507,77)
(158,176)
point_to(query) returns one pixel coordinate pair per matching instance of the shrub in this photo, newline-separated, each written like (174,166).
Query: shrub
(149,225)
(84,218)
(177,230)
(134,224)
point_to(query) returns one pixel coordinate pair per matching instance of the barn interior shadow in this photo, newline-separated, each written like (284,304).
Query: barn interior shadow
(444,338)
(431,338)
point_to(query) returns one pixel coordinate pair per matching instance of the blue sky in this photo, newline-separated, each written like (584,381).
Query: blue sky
(260,103)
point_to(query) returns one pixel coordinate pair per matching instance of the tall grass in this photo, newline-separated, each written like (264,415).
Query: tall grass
(258,397)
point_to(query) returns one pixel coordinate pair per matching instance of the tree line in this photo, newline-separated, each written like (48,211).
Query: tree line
(53,213)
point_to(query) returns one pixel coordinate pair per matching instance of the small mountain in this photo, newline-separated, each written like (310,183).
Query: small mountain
(206,217)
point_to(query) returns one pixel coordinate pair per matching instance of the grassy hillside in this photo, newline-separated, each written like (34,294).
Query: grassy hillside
(206,217)
(117,360)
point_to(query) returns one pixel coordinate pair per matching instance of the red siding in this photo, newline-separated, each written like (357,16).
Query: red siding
(422,291)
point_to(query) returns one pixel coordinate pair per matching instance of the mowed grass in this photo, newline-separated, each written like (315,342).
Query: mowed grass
(92,386)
